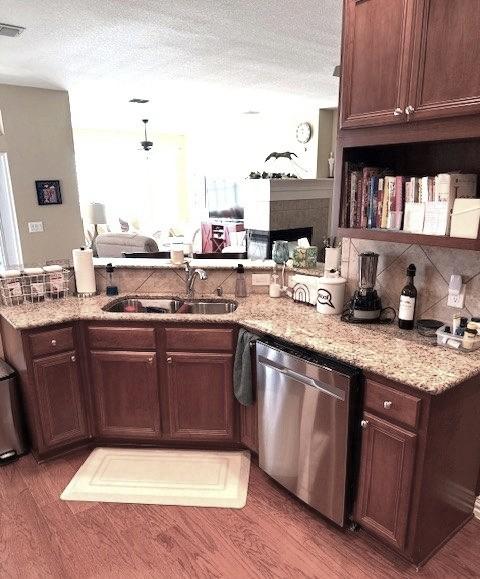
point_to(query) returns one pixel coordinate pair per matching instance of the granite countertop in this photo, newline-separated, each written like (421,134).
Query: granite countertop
(385,350)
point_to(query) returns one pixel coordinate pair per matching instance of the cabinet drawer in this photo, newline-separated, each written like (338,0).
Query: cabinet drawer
(121,338)
(51,342)
(392,403)
(200,339)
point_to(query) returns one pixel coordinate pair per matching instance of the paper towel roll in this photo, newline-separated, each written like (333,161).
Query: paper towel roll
(84,272)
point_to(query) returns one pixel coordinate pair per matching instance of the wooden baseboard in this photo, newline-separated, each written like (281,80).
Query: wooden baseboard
(476,510)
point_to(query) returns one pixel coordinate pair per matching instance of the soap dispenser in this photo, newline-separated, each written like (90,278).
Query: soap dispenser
(240,282)
(112,289)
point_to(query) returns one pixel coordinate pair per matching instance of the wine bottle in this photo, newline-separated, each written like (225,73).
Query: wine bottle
(408,301)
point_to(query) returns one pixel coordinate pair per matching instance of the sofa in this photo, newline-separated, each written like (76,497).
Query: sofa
(116,244)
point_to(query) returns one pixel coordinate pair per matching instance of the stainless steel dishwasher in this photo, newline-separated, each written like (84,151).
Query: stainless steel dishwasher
(305,421)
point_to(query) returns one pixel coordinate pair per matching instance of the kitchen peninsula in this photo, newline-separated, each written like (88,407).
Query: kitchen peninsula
(417,422)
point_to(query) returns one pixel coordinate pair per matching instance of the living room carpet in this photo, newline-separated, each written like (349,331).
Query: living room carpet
(162,477)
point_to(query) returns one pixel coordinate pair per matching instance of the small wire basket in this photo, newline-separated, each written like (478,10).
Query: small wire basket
(28,288)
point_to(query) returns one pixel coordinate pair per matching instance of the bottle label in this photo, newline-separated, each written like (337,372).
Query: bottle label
(407,308)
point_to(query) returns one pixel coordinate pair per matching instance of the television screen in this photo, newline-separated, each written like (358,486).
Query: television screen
(222,197)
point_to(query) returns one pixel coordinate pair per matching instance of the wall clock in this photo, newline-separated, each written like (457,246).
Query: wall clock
(304,133)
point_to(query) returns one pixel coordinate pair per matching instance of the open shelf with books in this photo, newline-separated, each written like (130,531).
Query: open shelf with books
(425,193)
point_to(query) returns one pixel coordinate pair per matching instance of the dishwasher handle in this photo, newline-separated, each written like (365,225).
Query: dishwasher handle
(328,389)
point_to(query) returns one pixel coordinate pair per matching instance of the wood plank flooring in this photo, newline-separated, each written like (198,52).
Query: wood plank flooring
(274,536)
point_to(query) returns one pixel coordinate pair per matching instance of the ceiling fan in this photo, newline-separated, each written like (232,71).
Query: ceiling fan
(146,144)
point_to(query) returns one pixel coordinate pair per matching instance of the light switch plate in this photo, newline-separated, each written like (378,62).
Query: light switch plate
(260,279)
(35,227)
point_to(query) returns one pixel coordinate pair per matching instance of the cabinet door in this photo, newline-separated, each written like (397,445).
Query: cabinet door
(445,70)
(375,62)
(200,395)
(249,426)
(125,389)
(386,478)
(61,412)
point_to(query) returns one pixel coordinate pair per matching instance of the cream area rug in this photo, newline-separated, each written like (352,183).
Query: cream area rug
(190,478)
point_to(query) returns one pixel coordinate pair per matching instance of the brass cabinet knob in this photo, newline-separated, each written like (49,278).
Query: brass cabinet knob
(397,112)
(387,404)
(150,360)
(409,110)
(54,342)
(364,423)
(73,358)
(169,360)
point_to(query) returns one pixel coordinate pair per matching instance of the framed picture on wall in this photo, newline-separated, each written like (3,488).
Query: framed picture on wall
(48,192)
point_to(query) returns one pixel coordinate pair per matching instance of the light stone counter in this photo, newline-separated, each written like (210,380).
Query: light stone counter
(386,350)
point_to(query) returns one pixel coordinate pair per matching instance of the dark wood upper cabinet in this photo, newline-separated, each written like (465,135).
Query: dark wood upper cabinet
(126,394)
(61,411)
(445,72)
(375,61)
(409,60)
(385,479)
(200,396)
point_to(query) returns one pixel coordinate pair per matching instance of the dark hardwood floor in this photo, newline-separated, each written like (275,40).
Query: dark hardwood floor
(273,536)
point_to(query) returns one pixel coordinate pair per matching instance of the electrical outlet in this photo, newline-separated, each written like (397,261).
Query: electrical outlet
(35,227)
(457,300)
(260,279)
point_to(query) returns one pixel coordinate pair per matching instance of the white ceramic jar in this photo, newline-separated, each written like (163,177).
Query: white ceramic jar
(331,294)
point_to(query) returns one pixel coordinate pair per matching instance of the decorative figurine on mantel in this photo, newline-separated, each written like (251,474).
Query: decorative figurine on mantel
(331,165)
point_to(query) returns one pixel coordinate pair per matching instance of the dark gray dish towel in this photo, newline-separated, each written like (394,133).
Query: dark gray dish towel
(242,369)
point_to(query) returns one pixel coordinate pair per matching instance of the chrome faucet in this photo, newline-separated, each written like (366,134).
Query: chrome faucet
(192,275)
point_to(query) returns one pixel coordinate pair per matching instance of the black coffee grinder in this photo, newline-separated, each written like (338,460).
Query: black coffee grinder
(366,305)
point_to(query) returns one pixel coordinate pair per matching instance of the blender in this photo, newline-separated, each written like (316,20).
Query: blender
(366,305)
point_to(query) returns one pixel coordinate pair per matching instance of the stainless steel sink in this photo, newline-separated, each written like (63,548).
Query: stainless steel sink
(144,305)
(170,305)
(207,307)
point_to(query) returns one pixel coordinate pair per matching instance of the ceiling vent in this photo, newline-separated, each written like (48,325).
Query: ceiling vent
(10,30)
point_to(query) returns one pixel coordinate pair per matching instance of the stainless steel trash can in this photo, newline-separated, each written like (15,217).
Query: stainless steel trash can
(12,437)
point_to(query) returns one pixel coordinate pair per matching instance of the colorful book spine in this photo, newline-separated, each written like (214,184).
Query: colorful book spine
(399,193)
(381,192)
(366,177)
(388,196)
(373,201)
(353,198)
(345,209)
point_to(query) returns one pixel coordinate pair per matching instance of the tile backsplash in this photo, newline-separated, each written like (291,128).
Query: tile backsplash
(434,266)
(171,281)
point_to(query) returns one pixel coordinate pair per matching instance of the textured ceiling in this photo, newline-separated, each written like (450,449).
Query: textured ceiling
(197,53)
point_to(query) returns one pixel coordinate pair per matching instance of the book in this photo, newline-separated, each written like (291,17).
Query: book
(465,218)
(437,216)
(455,186)
(366,176)
(345,211)
(388,201)
(414,217)
(372,202)
(354,181)
(378,219)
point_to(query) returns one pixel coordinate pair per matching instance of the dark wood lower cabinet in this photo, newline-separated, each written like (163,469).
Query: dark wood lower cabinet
(61,409)
(126,395)
(249,427)
(200,396)
(386,478)
(420,453)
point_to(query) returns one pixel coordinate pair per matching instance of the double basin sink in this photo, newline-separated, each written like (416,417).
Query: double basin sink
(170,305)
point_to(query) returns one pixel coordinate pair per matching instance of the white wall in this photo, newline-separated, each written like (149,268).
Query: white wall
(234,146)
(39,145)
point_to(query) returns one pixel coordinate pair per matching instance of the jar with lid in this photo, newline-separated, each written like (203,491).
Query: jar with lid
(469,339)
(11,287)
(55,282)
(33,284)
